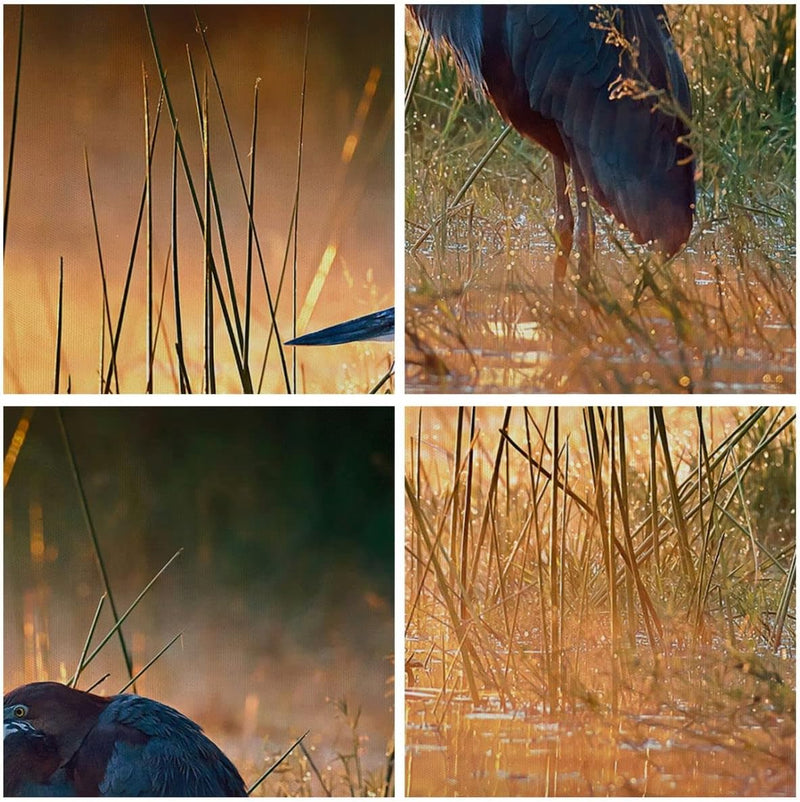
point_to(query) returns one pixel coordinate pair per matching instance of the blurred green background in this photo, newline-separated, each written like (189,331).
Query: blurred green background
(283,590)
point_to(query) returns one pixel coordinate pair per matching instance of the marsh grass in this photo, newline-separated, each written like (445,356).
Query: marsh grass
(240,349)
(719,316)
(301,774)
(580,568)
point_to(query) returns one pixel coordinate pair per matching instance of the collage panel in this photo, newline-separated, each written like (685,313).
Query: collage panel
(600,198)
(268,596)
(247,553)
(600,601)
(190,192)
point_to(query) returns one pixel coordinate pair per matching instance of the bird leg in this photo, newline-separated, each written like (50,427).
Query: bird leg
(584,231)
(563,225)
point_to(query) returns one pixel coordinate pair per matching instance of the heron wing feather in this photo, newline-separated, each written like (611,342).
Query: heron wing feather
(141,747)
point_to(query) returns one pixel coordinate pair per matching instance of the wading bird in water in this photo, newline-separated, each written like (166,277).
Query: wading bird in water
(602,88)
(58,741)
(375,326)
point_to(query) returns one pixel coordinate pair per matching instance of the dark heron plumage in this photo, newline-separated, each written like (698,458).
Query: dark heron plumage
(375,326)
(58,741)
(600,87)
(31,763)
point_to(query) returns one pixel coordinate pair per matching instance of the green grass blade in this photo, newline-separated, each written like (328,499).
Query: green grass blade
(95,541)
(119,621)
(59,326)
(13,133)
(149,663)
(276,764)
(112,365)
(92,627)
(272,306)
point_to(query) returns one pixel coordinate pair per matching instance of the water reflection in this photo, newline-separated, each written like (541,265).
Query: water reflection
(743,746)
(485,322)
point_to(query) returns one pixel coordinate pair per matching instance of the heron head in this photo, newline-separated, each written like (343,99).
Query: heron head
(49,708)
(30,760)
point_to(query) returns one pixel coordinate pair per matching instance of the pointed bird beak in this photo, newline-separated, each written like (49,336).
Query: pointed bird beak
(12,725)
(375,326)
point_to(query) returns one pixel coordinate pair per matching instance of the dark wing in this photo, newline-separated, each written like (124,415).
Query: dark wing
(550,69)
(461,29)
(631,149)
(140,747)
(375,326)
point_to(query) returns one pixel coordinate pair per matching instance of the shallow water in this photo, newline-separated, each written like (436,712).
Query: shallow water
(486,324)
(718,743)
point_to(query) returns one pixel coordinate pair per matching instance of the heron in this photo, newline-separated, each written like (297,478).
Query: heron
(374,326)
(602,88)
(59,741)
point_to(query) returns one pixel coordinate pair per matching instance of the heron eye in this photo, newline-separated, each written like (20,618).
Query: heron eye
(20,711)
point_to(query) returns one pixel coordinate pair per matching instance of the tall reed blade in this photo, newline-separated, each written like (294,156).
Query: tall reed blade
(93,536)
(456,488)
(251,188)
(120,620)
(201,103)
(103,280)
(150,662)
(297,195)
(680,522)
(276,764)
(783,606)
(555,562)
(489,513)
(13,133)
(148,231)
(59,326)
(419,59)
(654,521)
(547,656)
(243,374)
(184,383)
(112,366)
(210,383)
(466,519)
(272,306)
(92,628)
